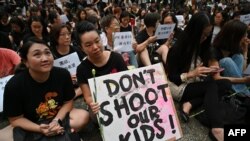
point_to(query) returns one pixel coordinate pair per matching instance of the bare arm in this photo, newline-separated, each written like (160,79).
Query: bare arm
(67,107)
(140,47)
(86,93)
(217,76)
(95,107)
(24,123)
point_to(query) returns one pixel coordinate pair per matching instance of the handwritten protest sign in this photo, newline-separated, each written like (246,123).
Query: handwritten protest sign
(245,19)
(122,41)
(69,62)
(163,31)
(136,105)
(3,82)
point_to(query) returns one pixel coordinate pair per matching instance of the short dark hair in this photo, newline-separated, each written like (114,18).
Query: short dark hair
(83,27)
(17,21)
(106,21)
(124,14)
(151,19)
(55,33)
(52,16)
(25,48)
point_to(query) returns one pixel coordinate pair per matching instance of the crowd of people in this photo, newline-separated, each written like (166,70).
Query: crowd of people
(204,57)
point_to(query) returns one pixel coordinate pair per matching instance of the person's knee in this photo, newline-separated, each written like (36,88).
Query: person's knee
(211,86)
(163,49)
(239,56)
(227,61)
(78,118)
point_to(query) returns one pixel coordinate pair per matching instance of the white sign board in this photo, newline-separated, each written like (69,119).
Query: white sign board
(64,19)
(89,1)
(136,105)
(122,41)
(69,62)
(245,19)
(247,70)
(181,20)
(163,31)
(3,82)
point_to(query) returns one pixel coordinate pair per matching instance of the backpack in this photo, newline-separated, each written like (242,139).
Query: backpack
(234,111)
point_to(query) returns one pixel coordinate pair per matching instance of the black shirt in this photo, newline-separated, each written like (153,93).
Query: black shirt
(115,64)
(25,96)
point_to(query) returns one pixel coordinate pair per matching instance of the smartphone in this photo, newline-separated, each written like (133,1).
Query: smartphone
(218,70)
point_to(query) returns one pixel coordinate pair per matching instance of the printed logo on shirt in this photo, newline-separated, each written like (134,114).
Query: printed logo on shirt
(49,108)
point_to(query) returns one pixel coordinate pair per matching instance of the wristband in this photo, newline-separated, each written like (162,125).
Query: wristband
(58,121)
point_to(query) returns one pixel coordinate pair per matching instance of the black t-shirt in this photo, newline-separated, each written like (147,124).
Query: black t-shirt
(114,64)
(5,41)
(80,54)
(25,96)
(143,36)
(124,29)
(5,28)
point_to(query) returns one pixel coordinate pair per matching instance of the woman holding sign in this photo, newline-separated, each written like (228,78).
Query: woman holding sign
(189,76)
(170,18)
(148,49)
(38,100)
(61,46)
(97,63)
(110,25)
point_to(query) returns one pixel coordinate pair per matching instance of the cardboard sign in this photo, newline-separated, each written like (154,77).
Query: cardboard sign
(69,62)
(245,19)
(163,31)
(122,41)
(136,105)
(3,82)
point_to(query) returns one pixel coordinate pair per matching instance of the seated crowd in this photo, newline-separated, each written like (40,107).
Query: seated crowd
(204,58)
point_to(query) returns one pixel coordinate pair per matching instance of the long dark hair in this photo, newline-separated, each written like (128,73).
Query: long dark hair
(229,37)
(188,46)
(38,19)
(55,34)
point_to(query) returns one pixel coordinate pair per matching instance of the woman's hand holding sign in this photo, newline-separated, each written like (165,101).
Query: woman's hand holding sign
(95,107)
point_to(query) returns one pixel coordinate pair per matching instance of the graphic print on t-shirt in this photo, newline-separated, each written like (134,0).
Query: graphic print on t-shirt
(49,108)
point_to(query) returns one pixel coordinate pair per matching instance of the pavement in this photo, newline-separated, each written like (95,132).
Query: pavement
(192,131)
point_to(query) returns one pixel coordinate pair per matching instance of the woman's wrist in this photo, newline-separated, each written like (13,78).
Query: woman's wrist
(184,77)
(57,120)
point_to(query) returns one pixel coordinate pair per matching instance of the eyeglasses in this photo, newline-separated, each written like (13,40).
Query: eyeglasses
(65,34)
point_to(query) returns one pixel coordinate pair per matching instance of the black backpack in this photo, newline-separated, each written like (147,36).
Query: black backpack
(234,111)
